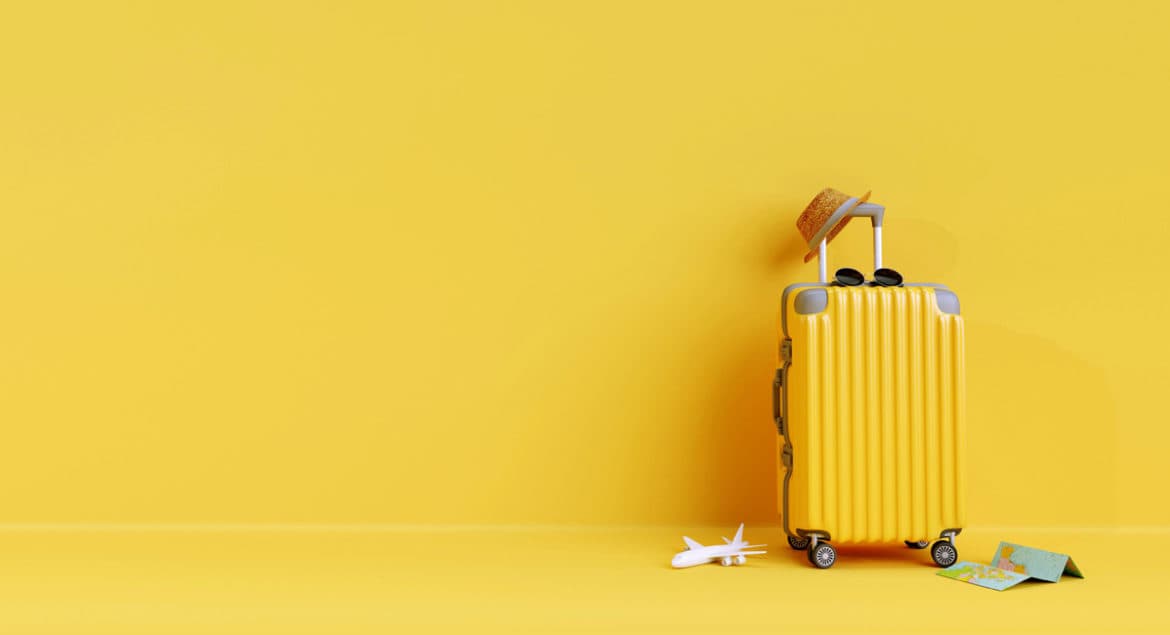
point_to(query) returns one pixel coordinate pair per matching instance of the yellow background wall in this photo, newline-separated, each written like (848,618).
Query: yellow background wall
(520,262)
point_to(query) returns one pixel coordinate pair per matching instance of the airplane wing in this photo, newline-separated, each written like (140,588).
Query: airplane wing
(750,553)
(691,544)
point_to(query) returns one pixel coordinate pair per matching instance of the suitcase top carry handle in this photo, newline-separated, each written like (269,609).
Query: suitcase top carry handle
(875,213)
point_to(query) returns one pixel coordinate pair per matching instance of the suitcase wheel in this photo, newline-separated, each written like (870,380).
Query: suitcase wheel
(921,544)
(822,556)
(944,553)
(799,544)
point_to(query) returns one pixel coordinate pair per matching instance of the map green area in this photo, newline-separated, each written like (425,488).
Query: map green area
(983,575)
(1011,565)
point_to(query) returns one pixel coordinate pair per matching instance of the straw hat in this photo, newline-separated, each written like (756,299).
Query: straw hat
(830,206)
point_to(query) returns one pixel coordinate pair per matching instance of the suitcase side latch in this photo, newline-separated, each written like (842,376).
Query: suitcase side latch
(777,416)
(778,385)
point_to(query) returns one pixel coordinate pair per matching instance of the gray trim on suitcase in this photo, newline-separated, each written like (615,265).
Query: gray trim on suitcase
(947,302)
(811,301)
(784,302)
(805,285)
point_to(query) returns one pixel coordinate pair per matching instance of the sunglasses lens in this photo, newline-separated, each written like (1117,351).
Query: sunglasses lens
(887,278)
(849,277)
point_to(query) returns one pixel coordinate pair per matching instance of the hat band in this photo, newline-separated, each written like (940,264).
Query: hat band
(834,218)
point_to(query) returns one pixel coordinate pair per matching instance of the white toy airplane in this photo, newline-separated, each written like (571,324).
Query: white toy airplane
(727,554)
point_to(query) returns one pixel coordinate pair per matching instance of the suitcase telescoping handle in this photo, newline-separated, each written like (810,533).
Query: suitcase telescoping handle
(875,213)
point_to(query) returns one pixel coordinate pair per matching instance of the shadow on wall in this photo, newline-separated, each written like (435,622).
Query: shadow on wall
(740,435)
(786,251)
(742,441)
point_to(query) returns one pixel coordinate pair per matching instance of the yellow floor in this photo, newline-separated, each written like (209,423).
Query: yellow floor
(411,579)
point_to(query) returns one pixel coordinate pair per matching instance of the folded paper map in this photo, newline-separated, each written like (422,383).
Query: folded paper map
(1011,565)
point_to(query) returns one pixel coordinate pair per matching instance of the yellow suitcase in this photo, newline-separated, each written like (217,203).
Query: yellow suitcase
(868,402)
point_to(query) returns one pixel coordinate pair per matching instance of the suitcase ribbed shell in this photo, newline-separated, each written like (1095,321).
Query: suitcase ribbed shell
(875,403)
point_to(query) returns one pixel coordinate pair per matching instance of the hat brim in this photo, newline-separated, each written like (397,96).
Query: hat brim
(836,229)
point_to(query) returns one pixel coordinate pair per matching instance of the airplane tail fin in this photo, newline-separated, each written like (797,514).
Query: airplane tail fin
(738,535)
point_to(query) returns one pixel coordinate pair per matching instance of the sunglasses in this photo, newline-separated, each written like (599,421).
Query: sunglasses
(883,277)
